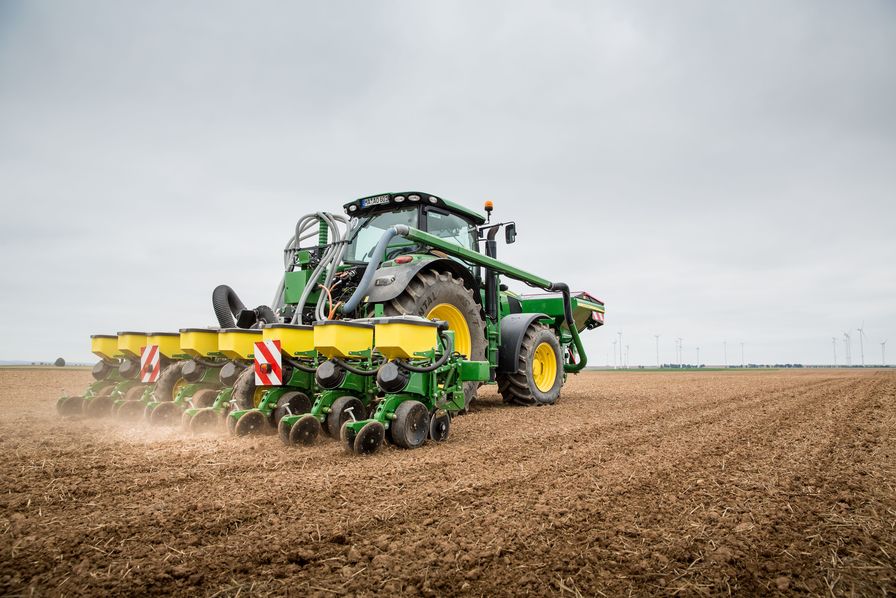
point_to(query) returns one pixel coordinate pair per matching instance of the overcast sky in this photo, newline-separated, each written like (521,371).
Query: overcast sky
(713,170)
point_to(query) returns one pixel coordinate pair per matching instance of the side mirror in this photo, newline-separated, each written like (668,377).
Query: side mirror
(510,233)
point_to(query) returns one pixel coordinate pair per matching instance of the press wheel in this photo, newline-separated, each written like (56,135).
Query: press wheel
(250,423)
(165,414)
(410,427)
(70,405)
(305,431)
(98,406)
(439,425)
(205,421)
(130,410)
(370,438)
(284,429)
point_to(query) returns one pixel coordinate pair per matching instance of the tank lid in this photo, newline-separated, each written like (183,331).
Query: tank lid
(412,320)
(164,334)
(132,333)
(343,323)
(290,326)
(103,336)
(212,330)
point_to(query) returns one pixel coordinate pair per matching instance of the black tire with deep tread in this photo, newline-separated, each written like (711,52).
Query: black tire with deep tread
(168,379)
(339,414)
(410,428)
(290,403)
(430,288)
(204,397)
(243,396)
(519,387)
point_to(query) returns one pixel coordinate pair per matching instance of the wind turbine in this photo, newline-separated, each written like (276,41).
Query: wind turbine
(621,364)
(834,343)
(626,356)
(657,337)
(614,353)
(743,363)
(883,353)
(725,352)
(680,351)
(698,357)
(846,345)
(861,331)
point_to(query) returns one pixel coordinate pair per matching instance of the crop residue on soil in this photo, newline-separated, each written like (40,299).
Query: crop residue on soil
(647,482)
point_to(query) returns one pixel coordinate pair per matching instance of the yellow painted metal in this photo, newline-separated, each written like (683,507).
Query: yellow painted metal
(177,388)
(198,342)
(168,342)
(544,367)
(402,337)
(294,338)
(238,343)
(130,343)
(104,346)
(341,338)
(463,342)
(258,395)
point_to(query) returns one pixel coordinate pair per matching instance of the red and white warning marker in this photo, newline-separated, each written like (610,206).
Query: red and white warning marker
(150,364)
(268,364)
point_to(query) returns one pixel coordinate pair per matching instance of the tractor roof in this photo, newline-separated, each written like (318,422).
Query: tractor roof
(386,201)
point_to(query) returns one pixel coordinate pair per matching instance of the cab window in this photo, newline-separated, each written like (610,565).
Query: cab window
(372,229)
(451,228)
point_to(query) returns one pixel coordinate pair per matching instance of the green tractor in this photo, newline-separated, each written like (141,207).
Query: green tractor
(405,259)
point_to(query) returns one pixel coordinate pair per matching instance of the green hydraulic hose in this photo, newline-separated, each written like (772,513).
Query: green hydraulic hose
(418,236)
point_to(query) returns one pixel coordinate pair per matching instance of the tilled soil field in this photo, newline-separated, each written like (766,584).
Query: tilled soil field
(647,483)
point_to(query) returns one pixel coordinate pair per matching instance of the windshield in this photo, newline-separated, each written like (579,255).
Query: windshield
(372,228)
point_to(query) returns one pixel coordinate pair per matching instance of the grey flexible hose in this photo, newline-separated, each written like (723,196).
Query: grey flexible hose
(329,262)
(375,259)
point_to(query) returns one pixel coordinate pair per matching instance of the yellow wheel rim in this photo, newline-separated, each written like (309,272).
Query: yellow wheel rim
(544,367)
(463,343)
(258,395)
(177,386)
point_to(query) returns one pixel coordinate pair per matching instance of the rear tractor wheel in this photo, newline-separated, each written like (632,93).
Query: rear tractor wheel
(169,383)
(443,296)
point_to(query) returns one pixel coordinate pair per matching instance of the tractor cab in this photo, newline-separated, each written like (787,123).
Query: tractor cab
(373,215)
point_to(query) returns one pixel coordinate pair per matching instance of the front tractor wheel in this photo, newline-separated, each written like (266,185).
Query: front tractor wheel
(539,372)
(443,296)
